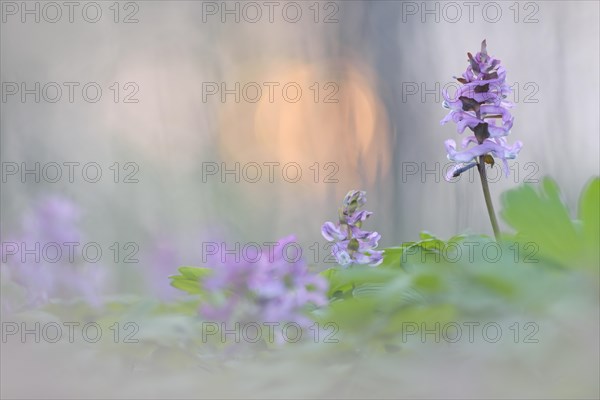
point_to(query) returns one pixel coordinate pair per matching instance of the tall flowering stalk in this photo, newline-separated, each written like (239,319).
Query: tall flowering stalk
(352,244)
(480,104)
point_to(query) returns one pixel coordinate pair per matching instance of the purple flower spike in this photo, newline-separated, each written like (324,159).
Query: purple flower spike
(352,245)
(480,104)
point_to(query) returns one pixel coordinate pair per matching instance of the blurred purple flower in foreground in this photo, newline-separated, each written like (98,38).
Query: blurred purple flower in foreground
(272,289)
(479,104)
(51,223)
(352,244)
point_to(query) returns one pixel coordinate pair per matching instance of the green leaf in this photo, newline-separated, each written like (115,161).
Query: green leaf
(540,216)
(428,282)
(392,257)
(495,283)
(424,235)
(421,317)
(589,215)
(345,280)
(186,285)
(335,286)
(190,280)
(194,272)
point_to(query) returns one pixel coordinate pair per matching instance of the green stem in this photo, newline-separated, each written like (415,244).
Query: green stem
(488,198)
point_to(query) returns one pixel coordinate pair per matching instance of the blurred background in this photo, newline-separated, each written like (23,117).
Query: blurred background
(345,93)
(143,130)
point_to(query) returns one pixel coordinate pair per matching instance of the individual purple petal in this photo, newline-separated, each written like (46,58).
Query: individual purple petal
(505,152)
(452,170)
(376,258)
(447,118)
(332,232)
(369,242)
(343,257)
(359,216)
(497,131)
(464,119)
(466,155)
(468,140)
(373,259)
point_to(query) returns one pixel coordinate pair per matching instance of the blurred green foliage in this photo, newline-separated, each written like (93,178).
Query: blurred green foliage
(550,259)
(471,277)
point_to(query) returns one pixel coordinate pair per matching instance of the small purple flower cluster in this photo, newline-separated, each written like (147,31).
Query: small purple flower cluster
(53,220)
(272,289)
(352,245)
